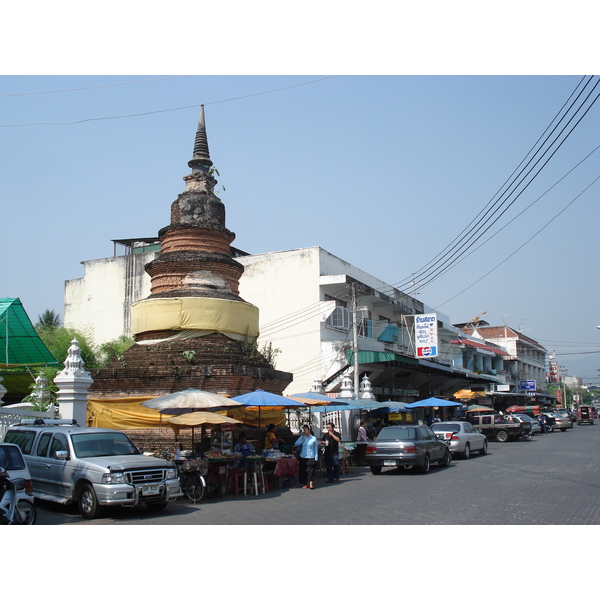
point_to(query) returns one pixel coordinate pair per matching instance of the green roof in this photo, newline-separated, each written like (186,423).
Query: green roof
(20,344)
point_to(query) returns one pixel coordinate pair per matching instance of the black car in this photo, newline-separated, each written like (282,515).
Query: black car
(407,446)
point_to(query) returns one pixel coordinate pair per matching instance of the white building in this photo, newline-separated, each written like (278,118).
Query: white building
(305,302)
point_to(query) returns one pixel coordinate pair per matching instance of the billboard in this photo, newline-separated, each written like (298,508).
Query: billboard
(426,337)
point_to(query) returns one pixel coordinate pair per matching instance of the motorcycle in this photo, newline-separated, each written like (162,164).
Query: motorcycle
(16,508)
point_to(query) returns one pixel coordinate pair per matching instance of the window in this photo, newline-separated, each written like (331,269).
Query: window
(23,439)
(486,420)
(42,447)
(11,459)
(340,318)
(59,443)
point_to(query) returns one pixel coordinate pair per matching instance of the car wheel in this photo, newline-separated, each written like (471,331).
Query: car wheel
(426,464)
(564,429)
(445,462)
(375,470)
(467,452)
(501,436)
(483,450)
(88,502)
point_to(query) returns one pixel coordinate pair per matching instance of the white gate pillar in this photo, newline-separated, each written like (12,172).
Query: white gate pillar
(73,383)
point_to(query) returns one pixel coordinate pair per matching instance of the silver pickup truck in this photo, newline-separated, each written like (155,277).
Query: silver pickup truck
(92,467)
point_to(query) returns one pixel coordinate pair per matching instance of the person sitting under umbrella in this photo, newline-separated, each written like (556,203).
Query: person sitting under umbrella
(271,439)
(245,448)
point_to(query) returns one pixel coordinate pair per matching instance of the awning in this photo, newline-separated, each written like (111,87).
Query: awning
(20,344)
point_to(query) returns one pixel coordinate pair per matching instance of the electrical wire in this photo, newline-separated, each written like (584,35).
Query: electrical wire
(476,222)
(441,270)
(165,110)
(522,245)
(92,87)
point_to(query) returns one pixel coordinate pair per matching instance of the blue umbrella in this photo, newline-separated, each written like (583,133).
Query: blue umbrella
(431,402)
(260,398)
(394,406)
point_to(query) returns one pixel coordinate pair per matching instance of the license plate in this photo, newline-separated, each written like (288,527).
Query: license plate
(389,463)
(150,490)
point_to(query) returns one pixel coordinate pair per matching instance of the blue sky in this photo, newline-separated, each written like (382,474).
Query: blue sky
(380,157)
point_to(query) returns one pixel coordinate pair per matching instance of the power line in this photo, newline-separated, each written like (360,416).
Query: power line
(522,245)
(165,110)
(457,245)
(92,87)
(441,270)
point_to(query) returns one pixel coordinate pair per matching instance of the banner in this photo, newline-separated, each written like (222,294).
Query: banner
(426,342)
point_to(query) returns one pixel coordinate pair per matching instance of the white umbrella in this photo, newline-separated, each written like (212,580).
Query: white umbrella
(190,400)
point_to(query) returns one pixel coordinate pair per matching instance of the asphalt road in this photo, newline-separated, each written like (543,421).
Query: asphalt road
(554,479)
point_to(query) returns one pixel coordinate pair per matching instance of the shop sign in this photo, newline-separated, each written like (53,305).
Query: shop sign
(503,387)
(426,342)
(528,385)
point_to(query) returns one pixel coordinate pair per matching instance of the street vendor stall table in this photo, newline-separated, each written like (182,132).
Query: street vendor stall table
(285,468)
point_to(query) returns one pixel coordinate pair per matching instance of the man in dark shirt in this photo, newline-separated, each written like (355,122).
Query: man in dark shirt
(331,443)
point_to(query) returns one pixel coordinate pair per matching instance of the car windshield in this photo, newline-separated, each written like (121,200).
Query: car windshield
(102,443)
(397,433)
(452,427)
(11,459)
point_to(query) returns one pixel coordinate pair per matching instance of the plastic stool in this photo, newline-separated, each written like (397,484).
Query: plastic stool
(236,475)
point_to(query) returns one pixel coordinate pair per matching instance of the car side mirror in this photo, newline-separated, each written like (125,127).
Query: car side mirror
(479,430)
(61,455)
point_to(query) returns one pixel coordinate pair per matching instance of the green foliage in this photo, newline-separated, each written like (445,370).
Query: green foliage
(48,319)
(39,404)
(266,352)
(189,355)
(113,349)
(58,341)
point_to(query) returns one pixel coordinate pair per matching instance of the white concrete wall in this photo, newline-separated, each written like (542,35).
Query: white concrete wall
(285,288)
(99,303)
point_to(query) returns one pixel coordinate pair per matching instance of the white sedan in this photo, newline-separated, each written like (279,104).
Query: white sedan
(461,437)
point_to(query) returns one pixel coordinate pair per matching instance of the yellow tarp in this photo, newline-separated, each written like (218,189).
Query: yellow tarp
(123,413)
(236,319)
(127,413)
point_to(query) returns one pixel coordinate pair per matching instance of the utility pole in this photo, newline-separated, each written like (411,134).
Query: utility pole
(355,340)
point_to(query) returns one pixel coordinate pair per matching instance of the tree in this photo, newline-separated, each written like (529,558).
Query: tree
(58,341)
(48,319)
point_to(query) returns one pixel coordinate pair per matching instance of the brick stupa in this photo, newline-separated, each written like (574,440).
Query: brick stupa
(194,330)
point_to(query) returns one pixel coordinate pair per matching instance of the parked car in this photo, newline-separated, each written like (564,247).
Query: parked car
(498,427)
(535,425)
(407,446)
(11,459)
(92,467)
(461,437)
(561,421)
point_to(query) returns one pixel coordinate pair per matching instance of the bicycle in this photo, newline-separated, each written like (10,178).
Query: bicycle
(191,476)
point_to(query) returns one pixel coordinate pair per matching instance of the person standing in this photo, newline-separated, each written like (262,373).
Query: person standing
(361,444)
(331,444)
(309,455)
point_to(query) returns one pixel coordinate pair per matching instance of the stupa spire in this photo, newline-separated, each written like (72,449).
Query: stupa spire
(201,159)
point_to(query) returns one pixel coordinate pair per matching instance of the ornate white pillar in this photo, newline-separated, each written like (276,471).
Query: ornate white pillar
(73,383)
(366,391)
(347,391)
